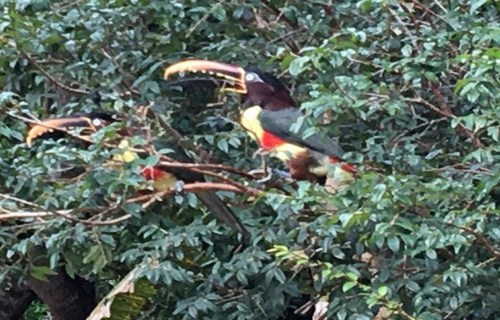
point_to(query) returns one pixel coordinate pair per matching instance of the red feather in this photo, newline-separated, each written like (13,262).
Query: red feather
(152,173)
(270,141)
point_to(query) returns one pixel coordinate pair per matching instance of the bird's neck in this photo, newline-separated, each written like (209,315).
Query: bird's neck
(278,101)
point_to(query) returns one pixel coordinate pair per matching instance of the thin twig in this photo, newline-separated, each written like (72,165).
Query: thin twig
(403,25)
(344,92)
(481,238)
(457,168)
(180,140)
(444,106)
(206,166)
(444,112)
(203,19)
(280,14)
(147,199)
(428,10)
(194,187)
(64,6)
(425,124)
(63,214)
(440,6)
(449,114)
(27,226)
(405,314)
(107,222)
(288,34)
(126,76)
(55,81)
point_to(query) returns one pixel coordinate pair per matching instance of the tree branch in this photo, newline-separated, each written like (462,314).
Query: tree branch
(481,238)
(147,199)
(444,112)
(9,215)
(62,213)
(55,81)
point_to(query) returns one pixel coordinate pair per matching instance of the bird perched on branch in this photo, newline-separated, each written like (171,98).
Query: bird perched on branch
(268,114)
(164,179)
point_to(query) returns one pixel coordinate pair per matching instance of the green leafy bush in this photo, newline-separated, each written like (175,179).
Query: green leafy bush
(410,88)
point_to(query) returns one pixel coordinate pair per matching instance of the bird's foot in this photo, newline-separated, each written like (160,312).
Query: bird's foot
(268,174)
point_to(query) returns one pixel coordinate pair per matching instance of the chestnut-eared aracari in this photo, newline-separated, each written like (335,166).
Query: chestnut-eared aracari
(163,179)
(268,114)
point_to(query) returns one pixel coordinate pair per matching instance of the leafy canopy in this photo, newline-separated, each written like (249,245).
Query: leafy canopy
(410,88)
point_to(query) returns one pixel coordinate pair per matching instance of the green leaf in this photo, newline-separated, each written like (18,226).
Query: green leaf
(298,65)
(493,133)
(476,4)
(393,243)
(383,291)
(348,285)
(219,12)
(407,50)
(431,254)
(41,272)
(378,192)
(223,145)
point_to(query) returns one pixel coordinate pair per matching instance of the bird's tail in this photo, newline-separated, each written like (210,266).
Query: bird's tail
(222,212)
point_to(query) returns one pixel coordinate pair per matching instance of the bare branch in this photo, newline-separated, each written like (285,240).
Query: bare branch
(145,199)
(25,214)
(207,166)
(63,214)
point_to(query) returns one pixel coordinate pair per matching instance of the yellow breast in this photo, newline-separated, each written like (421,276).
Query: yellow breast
(249,119)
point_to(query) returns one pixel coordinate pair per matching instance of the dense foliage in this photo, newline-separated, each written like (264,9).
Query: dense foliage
(411,88)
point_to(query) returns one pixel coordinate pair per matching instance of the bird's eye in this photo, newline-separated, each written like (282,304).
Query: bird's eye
(96,122)
(252,76)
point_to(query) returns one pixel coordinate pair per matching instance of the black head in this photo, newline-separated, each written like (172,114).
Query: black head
(265,90)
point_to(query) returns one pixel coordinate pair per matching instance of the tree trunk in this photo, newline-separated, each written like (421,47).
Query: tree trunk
(15,298)
(66,298)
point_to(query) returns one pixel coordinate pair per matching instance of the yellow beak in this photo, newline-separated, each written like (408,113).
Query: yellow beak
(233,73)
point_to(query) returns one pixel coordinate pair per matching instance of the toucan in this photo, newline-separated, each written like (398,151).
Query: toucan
(163,179)
(268,114)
